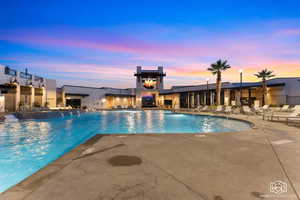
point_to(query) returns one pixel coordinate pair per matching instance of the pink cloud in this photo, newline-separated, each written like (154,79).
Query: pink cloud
(124,44)
(188,56)
(290,32)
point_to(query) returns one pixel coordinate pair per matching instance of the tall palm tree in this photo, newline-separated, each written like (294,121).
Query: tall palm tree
(216,69)
(264,75)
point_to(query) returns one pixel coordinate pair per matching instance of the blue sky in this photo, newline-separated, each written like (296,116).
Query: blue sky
(99,43)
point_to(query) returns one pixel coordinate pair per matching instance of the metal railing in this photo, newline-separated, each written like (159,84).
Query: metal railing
(9,71)
(25,75)
(38,78)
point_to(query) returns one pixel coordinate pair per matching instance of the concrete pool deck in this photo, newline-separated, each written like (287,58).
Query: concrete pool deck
(212,166)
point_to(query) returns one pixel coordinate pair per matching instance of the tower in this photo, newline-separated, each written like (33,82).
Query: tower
(148,85)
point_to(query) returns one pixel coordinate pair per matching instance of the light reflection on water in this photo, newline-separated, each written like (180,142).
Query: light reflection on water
(27,146)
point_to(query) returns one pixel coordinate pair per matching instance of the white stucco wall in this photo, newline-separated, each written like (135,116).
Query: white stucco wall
(4,78)
(292,90)
(51,92)
(95,95)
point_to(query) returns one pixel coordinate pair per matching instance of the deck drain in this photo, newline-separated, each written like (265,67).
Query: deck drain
(218,197)
(258,195)
(123,160)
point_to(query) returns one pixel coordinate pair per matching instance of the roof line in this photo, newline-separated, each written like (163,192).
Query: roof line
(96,87)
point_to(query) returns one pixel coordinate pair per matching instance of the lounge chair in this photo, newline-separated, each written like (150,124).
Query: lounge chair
(293,119)
(205,109)
(247,110)
(219,109)
(285,108)
(297,107)
(260,110)
(228,110)
(257,109)
(293,115)
(198,109)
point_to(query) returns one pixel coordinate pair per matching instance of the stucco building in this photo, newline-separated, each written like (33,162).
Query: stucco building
(24,90)
(19,89)
(150,92)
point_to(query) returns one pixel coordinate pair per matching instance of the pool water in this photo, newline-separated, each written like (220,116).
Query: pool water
(27,146)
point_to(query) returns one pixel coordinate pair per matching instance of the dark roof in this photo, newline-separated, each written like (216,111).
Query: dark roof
(119,95)
(96,87)
(150,73)
(226,85)
(251,84)
(185,86)
(77,94)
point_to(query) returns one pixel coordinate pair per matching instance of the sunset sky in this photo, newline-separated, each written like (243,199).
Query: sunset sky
(100,43)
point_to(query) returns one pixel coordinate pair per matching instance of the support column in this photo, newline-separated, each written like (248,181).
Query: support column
(44,97)
(227,97)
(32,97)
(188,100)
(237,98)
(18,97)
(193,100)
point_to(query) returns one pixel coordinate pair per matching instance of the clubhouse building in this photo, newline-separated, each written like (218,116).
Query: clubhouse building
(22,88)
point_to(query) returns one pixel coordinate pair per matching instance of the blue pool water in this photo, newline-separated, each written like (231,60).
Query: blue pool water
(27,146)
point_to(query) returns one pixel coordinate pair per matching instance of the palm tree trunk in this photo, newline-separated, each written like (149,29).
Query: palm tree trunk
(218,88)
(264,91)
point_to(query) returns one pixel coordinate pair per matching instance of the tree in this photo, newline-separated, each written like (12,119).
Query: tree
(264,75)
(216,69)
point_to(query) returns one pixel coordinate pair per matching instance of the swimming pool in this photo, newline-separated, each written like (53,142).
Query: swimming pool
(27,146)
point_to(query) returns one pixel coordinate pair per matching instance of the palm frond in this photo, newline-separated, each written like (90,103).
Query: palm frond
(265,74)
(218,66)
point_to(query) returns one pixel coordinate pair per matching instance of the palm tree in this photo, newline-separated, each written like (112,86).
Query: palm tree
(264,75)
(216,69)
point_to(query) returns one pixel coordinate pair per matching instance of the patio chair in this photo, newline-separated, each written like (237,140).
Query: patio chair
(228,110)
(247,110)
(219,109)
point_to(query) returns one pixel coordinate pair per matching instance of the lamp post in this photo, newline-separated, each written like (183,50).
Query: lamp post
(241,85)
(207,79)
